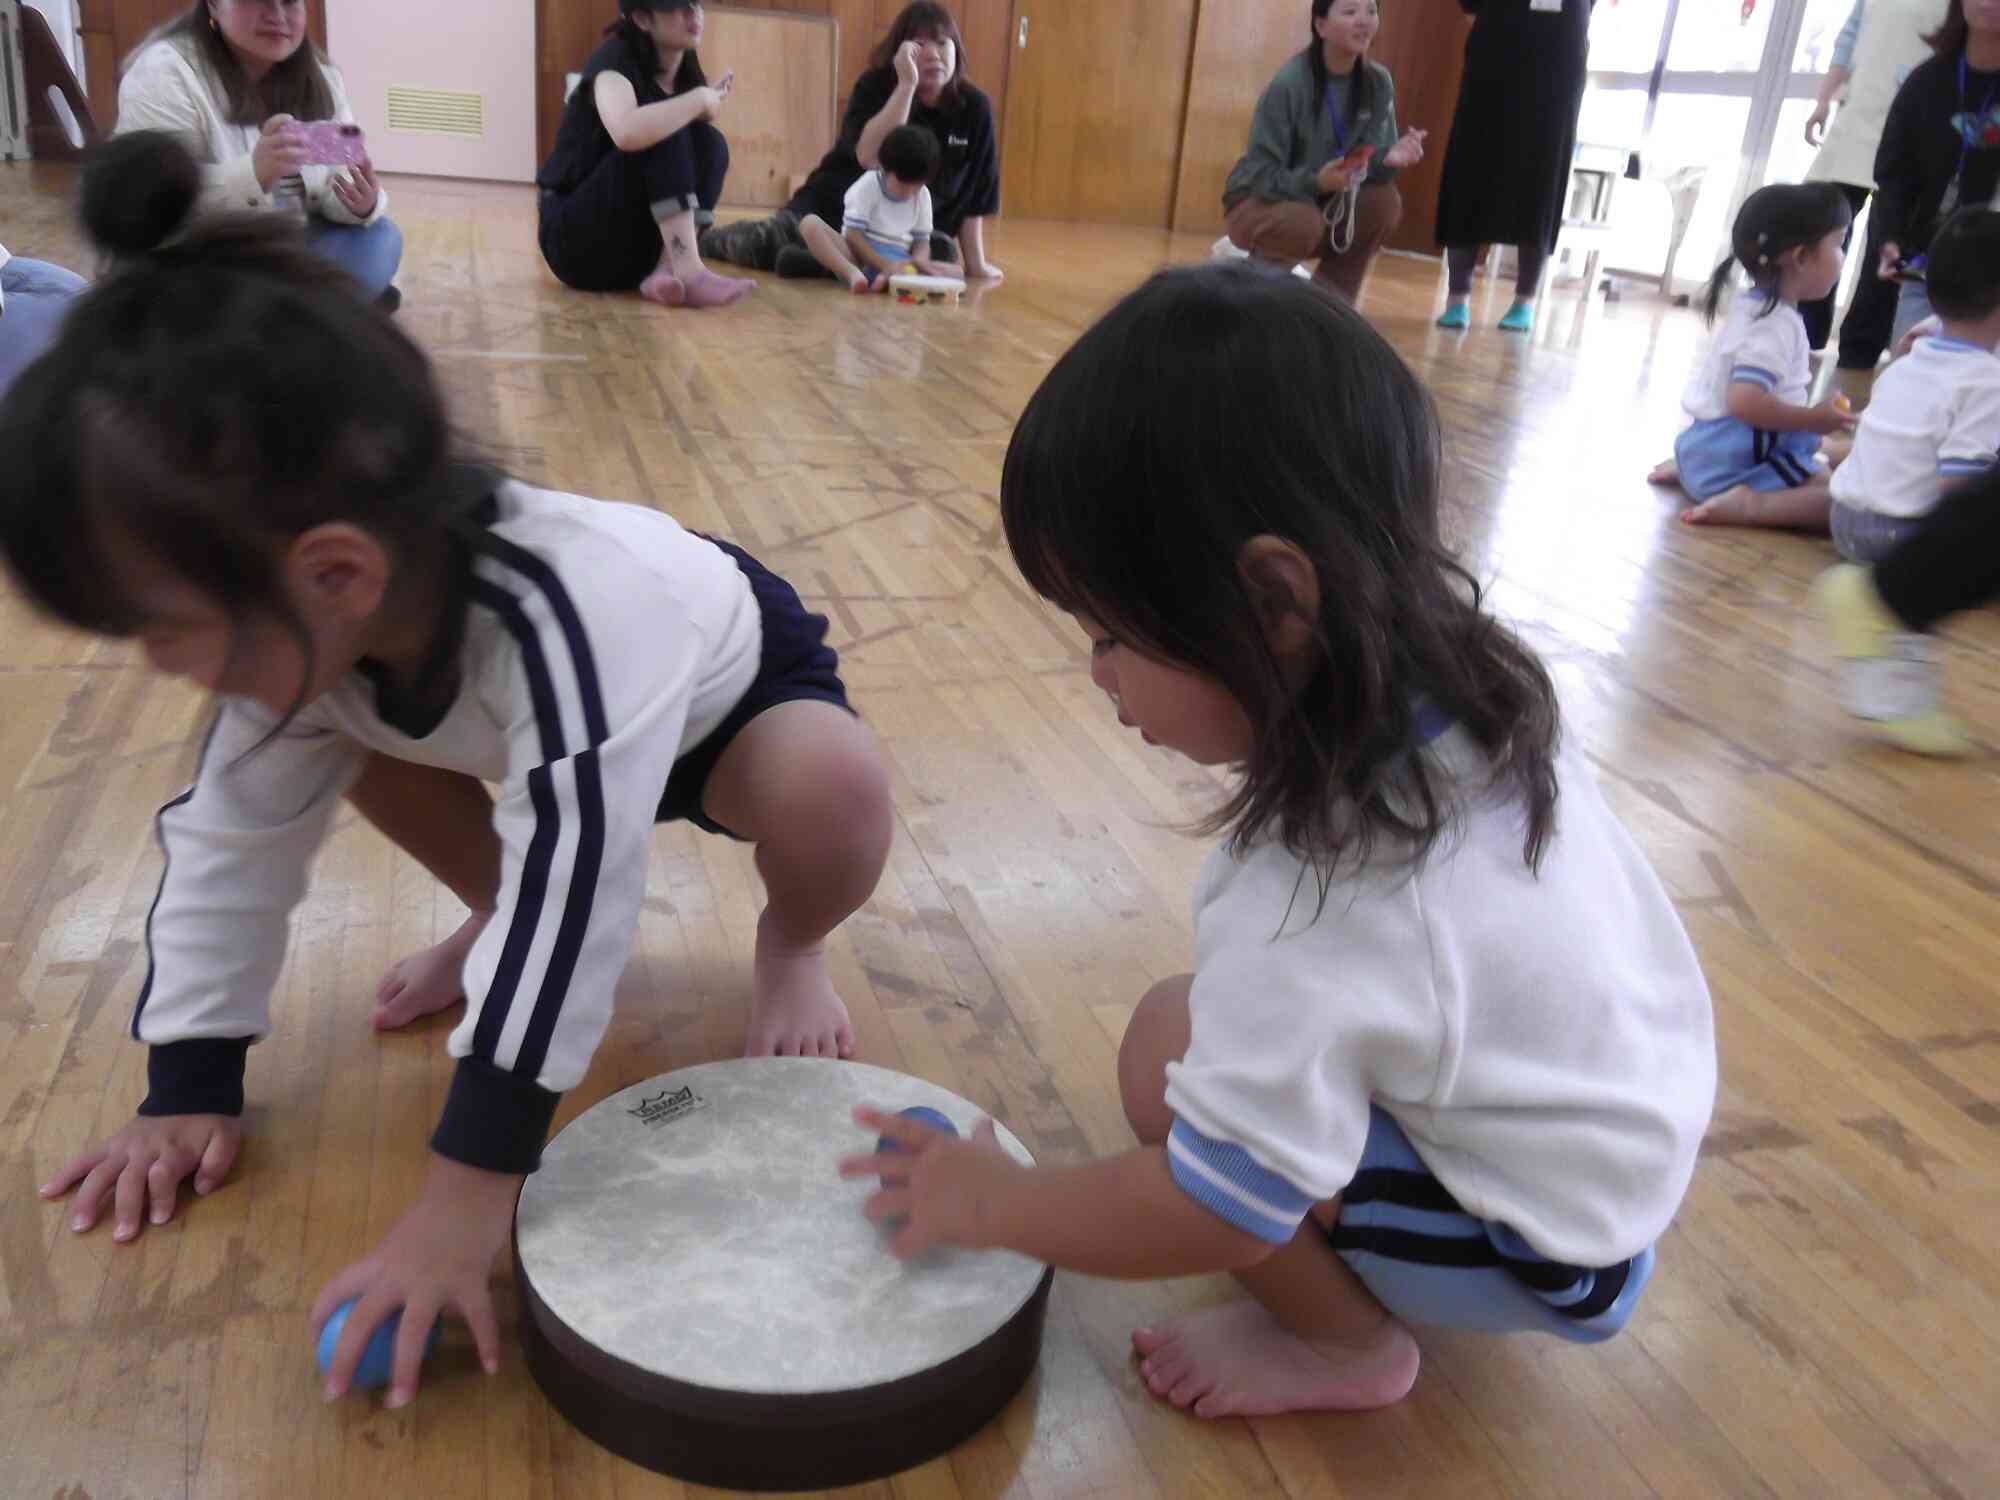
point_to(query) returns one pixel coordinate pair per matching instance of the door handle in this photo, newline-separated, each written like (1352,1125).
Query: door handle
(1021,39)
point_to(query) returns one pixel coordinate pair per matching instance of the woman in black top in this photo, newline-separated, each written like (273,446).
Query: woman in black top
(637,157)
(1940,150)
(916,77)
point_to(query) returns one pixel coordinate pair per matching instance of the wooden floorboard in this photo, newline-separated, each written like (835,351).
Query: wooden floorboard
(1826,1317)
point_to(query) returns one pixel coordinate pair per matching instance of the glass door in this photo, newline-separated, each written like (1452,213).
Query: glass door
(1713,97)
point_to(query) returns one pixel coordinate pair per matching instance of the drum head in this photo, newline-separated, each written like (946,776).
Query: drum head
(694,1274)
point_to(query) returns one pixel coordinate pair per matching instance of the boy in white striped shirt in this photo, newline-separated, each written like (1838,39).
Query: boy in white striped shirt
(886,223)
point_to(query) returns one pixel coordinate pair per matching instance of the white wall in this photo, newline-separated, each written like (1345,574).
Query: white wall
(473,45)
(61,16)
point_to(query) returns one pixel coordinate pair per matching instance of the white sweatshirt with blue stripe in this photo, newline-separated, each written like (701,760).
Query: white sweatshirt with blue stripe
(600,642)
(1544,1039)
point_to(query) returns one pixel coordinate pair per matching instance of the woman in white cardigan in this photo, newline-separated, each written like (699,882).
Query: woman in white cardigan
(1875,51)
(233,79)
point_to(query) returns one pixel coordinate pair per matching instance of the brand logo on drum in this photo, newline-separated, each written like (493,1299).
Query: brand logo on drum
(668,1106)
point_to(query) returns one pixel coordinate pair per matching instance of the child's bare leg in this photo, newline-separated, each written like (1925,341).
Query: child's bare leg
(806,783)
(680,279)
(1804,508)
(1665,472)
(444,820)
(1310,1337)
(831,251)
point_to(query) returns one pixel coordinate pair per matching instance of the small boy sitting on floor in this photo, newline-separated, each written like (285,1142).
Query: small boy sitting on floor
(886,220)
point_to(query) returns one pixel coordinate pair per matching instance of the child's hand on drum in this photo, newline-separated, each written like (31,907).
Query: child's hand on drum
(439,1255)
(939,1185)
(146,1163)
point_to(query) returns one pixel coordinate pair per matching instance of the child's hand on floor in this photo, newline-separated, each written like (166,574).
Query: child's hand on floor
(927,267)
(943,1188)
(439,1255)
(146,1163)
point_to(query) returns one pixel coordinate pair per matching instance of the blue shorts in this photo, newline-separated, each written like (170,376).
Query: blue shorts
(1722,453)
(1428,1261)
(796,664)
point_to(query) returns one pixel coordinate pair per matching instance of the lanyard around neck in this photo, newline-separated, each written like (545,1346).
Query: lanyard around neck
(1333,114)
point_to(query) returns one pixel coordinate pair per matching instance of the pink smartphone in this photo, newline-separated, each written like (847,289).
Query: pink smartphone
(1358,157)
(334,144)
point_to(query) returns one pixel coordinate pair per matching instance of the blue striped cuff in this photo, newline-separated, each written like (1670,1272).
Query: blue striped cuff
(1954,467)
(1224,1179)
(1764,380)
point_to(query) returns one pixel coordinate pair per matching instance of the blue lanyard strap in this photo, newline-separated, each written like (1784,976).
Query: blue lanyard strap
(1333,115)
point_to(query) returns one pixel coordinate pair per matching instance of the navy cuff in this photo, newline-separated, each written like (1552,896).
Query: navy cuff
(199,1077)
(494,1120)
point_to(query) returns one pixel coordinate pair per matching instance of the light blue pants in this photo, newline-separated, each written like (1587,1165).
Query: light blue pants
(1866,536)
(370,253)
(1913,305)
(37,295)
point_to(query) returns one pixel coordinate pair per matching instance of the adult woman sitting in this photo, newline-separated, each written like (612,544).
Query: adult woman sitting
(915,77)
(1940,148)
(636,158)
(235,79)
(1303,191)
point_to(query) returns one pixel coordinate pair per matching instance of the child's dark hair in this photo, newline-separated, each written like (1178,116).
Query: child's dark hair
(1962,275)
(213,396)
(1773,220)
(1217,404)
(689,76)
(909,152)
(296,87)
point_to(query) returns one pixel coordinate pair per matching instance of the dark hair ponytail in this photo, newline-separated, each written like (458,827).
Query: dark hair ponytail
(1774,221)
(218,392)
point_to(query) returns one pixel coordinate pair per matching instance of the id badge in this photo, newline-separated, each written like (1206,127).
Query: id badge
(1548,6)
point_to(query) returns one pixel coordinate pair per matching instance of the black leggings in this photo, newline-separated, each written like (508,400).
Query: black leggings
(1952,562)
(1871,316)
(604,234)
(1461,259)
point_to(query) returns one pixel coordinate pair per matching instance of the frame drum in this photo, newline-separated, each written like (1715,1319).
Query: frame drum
(701,1294)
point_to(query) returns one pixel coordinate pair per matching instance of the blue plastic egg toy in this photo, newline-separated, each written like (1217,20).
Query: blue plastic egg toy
(378,1360)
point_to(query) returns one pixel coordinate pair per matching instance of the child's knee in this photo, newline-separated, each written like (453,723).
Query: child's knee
(1157,1035)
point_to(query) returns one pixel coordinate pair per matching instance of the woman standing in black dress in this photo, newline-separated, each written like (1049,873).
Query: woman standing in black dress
(1506,171)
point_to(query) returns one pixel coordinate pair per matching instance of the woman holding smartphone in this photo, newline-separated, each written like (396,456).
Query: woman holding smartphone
(1317,181)
(238,81)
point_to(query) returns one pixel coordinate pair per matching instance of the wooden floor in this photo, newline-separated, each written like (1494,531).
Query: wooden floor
(1826,1319)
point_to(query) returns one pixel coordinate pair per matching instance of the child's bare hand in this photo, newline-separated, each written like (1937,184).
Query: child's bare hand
(144,1164)
(941,1186)
(928,267)
(1929,328)
(439,1255)
(1832,415)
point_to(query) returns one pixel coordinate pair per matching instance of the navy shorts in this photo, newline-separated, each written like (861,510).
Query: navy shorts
(796,665)
(1428,1261)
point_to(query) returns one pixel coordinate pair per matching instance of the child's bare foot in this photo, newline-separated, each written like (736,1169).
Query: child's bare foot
(1735,506)
(793,1009)
(704,288)
(858,284)
(427,982)
(664,288)
(1235,1361)
(1665,473)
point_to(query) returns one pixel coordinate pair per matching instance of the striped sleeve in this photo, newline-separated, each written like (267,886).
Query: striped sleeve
(1763,379)
(236,846)
(1228,1182)
(574,816)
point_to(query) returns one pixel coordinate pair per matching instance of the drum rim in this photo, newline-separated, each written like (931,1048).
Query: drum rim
(710,1435)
